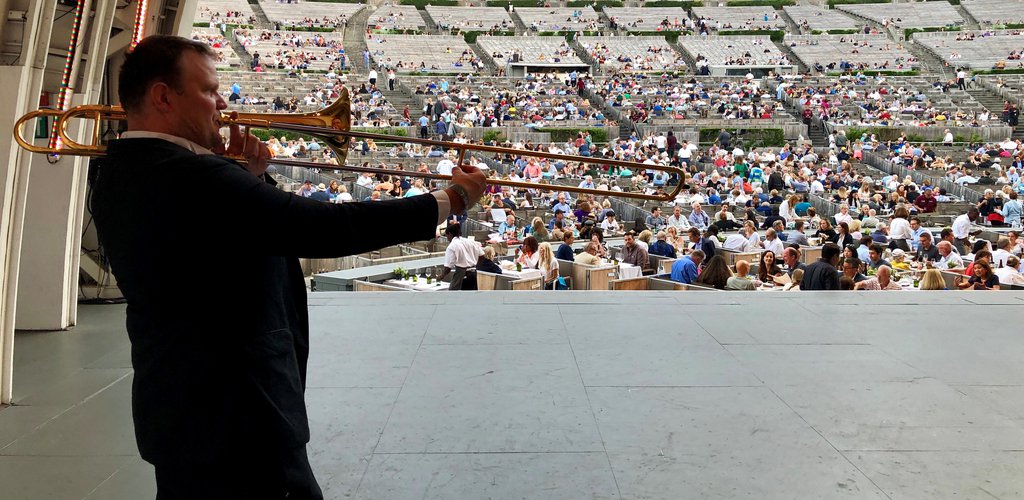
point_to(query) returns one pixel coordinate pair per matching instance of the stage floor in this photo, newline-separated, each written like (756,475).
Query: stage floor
(588,395)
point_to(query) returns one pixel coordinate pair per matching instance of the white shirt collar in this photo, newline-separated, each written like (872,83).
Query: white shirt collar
(180,141)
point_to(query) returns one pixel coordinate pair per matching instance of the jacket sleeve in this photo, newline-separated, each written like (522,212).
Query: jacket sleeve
(275,222)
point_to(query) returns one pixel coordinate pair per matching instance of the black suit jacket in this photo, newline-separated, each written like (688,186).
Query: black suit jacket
(820,275)
(216,299)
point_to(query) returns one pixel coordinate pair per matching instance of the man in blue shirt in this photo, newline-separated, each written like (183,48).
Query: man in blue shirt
(424,127)
(565,249)
(685,269)
(562,204)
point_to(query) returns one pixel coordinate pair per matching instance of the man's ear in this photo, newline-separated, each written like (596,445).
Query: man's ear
(160,98)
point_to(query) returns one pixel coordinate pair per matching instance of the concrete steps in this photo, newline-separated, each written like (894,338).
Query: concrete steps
(355,42)
(262,21)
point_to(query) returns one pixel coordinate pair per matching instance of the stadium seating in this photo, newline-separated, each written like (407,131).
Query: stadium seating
(647,18)
(471,19)
(816,18)
(975,50)
(404,19)
(994,12)
(310,14)
(907,15)
(318,51)
(225,12)
(539,50)
(841,52)
(630,53)
(226,57)
(424,53)
(722,53)
(739,18)
(541,19)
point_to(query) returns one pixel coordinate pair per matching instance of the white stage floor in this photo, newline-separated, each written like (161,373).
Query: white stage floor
(568,395)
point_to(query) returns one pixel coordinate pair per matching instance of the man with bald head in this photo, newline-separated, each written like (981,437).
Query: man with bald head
(948,259)
(741,281)
(882,280)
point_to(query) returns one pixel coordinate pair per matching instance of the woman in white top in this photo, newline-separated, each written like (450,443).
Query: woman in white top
(529,253)
(899,228)
(548,265)
(844,214)
(343,195)
(787,209)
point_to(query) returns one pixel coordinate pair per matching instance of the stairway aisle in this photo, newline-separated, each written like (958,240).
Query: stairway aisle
(355,41)
(994,103)
(262,21)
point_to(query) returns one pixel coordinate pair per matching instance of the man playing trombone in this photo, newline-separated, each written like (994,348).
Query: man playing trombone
(218,395)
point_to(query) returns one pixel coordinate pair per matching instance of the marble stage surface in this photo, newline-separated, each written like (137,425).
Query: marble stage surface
(566,395)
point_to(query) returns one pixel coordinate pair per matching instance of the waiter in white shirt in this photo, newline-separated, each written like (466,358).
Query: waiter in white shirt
(962,229)
(460,256)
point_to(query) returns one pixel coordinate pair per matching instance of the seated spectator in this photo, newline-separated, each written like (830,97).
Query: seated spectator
(881,281)
(932,280)
(741,281)
(685,269)
(589,255)
(633,253)
(662,247)
(768,267)
(486,262)
(527,254)
(983,279)
(851,269)
(1010,273)
(565,249)
(716,273)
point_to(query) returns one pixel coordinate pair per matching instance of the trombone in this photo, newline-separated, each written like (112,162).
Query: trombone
(332,125)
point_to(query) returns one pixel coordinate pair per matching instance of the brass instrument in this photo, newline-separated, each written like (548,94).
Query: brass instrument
(332,125)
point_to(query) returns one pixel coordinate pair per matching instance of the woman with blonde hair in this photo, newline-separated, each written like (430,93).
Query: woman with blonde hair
(343,195)
(539,229)
(644,239)
(932,280)
(548,265)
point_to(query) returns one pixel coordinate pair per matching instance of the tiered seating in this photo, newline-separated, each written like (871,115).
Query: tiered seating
(994,12)
(543,19)
(704,100)
(893,102)
(976,50)
(411,53)
(225,12)
(842,52)
(226,56)
(719,51)
(261,90)
(314,14)
(630,53)
(471,19)
(647,18)
(739,18)
(397,18)
(482,101)
(293,49)
(907,15)
(813,17)
(536,50)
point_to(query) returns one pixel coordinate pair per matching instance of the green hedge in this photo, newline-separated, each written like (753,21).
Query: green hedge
(833,3)
(331,1)
(568,34)
(264,134)
(493,136)
(882,133)
(471,36)
(1008,71)
(598,4)
(398,32)
(1009,26)
(851,31)
(931,29)
(422,4)
(517,3)
(597,134)
(774,35)
(686,4)
(401,132)
(778,4)
(751,137)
